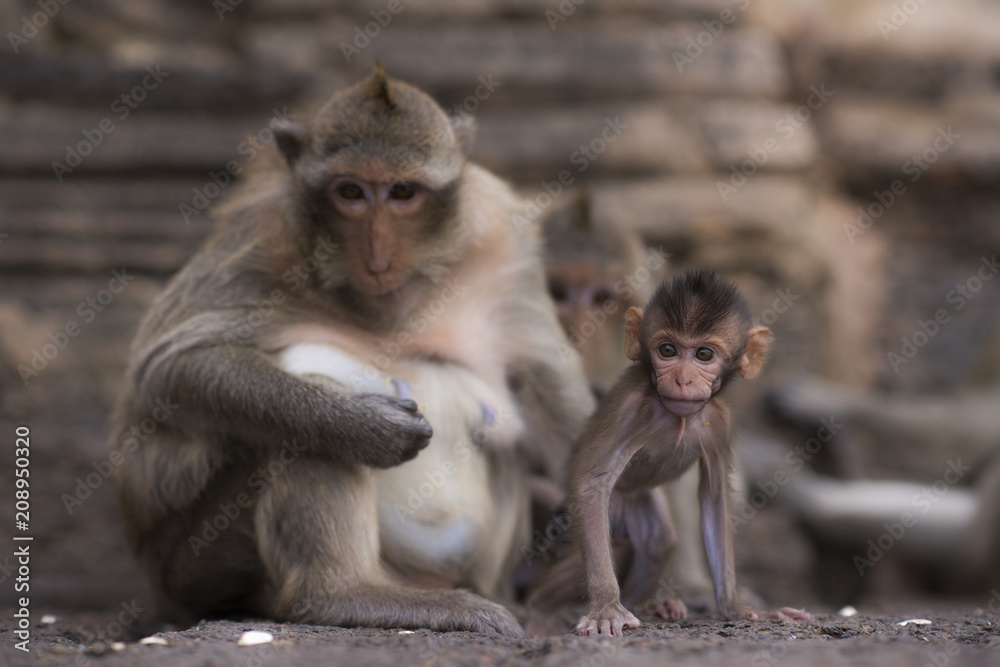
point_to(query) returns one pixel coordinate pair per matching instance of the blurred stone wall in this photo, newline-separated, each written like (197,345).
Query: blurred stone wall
(740,134)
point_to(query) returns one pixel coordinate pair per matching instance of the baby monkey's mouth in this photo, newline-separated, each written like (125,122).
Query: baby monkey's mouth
(683,407)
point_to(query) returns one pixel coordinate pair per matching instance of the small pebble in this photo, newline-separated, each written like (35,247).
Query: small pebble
(153,641)
(405,632)
(48,619)
(254,637)
(848,611)
(915,621)
(97,648)
(117,646)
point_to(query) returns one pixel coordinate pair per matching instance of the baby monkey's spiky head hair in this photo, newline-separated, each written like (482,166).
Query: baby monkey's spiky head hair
(698,302)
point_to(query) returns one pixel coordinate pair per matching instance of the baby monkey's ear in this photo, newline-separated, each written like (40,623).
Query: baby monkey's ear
(633,319)
(753,358)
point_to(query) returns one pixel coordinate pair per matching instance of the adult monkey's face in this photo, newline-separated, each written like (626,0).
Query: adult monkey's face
(377,171)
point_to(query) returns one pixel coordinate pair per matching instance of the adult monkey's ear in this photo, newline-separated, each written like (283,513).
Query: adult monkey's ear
(633,320)
(291,138)
(753,359)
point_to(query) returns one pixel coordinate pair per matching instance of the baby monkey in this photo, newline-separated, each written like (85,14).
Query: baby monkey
(663,415)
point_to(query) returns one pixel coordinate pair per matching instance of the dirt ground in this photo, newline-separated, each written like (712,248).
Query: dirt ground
(957,635)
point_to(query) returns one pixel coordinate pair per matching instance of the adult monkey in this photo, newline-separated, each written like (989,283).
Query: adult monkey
(374,248)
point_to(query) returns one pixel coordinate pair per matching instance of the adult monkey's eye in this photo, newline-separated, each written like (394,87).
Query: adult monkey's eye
(558,291)
(350,191)
(666,350)
(402,191)
(602,296)
(704,354)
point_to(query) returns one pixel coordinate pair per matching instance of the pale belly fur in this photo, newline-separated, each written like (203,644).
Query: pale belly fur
(437,509)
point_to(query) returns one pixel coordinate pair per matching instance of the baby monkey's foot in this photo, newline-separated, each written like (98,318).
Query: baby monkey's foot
(783,614)
(787,614)
(610,620)
(671,609)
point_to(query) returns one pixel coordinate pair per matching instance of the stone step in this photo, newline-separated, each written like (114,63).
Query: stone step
(81,78)
(642,138)
(102,140)
(878,142)
(497,9)
(658,136)
(582,61)
(914,49)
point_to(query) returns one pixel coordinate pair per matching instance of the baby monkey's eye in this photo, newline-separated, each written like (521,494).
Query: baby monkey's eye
(350,191)
(704,354)
(667,350)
